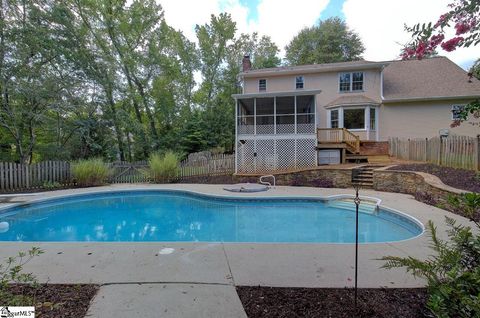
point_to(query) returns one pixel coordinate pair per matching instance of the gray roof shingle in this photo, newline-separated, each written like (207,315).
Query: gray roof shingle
(352,100)
(428,78)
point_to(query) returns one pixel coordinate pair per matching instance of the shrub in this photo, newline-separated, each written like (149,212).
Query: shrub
(51,185)
(467,204)
(426,198)
(12,273)
(90,172)
(163,168)
(453,273)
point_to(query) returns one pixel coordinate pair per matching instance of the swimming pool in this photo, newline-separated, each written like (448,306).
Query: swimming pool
(177,216)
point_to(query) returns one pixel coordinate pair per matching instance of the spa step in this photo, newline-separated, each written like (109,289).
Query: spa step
(350,205)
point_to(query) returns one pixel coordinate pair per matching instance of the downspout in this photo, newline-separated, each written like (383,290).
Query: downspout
(236,136)
(377,112)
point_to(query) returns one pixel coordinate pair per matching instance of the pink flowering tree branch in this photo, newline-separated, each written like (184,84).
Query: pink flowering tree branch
(464,16)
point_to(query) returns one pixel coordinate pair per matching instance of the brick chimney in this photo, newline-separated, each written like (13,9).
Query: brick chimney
(246,63)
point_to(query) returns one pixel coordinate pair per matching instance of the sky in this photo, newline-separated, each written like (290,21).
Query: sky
(379,23)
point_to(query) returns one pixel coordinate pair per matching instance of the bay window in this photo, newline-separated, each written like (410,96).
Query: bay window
(334,118)
(353,118)
(373,119)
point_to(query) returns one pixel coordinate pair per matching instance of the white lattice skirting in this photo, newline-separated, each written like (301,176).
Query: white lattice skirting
(280,129)
(266,155)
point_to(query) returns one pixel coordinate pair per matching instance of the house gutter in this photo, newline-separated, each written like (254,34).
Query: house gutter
(432,98)
(310,70)
(278,94)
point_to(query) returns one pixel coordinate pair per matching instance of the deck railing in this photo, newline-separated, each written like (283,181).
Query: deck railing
(339,135)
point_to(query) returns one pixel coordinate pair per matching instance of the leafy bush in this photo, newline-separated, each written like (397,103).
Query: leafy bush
(453,273)
(12,273)
(467,204)
(163,168)
(90,172)
(426,198)
(51,185)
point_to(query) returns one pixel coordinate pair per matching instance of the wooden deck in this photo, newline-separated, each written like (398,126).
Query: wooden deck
(353,150)
(338,138)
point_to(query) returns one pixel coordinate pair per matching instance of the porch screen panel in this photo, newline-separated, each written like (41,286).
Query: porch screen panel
(265,115)
(306,114)
(285,115)
(245,120)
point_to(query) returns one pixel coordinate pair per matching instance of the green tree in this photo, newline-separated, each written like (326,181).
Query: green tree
(33,75)
(475,69)
(328,42)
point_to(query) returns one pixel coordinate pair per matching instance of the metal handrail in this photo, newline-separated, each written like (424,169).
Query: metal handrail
(265,182)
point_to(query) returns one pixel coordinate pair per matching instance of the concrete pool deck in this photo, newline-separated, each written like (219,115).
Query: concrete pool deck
(200,277)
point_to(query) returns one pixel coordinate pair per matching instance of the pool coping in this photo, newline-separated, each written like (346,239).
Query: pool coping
(267,264)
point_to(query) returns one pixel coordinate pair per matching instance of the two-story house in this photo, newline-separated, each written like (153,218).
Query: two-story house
(302,116)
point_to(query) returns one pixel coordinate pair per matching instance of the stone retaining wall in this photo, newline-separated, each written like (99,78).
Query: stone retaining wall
(415,183)
(323,178)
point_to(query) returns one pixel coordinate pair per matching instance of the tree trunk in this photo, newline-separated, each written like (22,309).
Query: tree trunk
(116,124)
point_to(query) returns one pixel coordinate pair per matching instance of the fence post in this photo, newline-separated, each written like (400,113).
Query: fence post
(478,152)
(426,149)
(440,152)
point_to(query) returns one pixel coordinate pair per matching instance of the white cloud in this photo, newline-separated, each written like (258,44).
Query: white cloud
(185,14)
(380,24)
(280,20)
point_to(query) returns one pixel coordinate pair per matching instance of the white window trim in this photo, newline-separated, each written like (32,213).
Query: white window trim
(452,109)
(351,83)
(295,82)
(329,117)
(262,79)
(341,123)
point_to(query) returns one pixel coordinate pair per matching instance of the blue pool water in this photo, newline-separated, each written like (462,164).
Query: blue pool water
(183,217)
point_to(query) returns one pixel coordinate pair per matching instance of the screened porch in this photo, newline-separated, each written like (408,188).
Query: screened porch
(275,115)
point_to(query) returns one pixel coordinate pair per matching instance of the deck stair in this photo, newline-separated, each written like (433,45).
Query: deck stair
(364,176)
(338,138)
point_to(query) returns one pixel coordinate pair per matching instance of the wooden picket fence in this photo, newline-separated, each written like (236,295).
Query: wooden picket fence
(14,176)
(220,164)
(18,177)
(452,151)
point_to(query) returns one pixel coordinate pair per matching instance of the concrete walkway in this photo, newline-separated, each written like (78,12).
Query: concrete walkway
(158,279)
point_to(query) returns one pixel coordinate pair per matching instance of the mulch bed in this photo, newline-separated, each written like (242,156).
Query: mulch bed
(458,178)
(332,302)
(58,300)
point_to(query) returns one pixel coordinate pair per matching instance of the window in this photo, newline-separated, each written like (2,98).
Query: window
(357,81)
(262,85)
(456,110)
(372,119)
(299,82)
(351,82)
(354,118)
(344,82)
(334,118)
